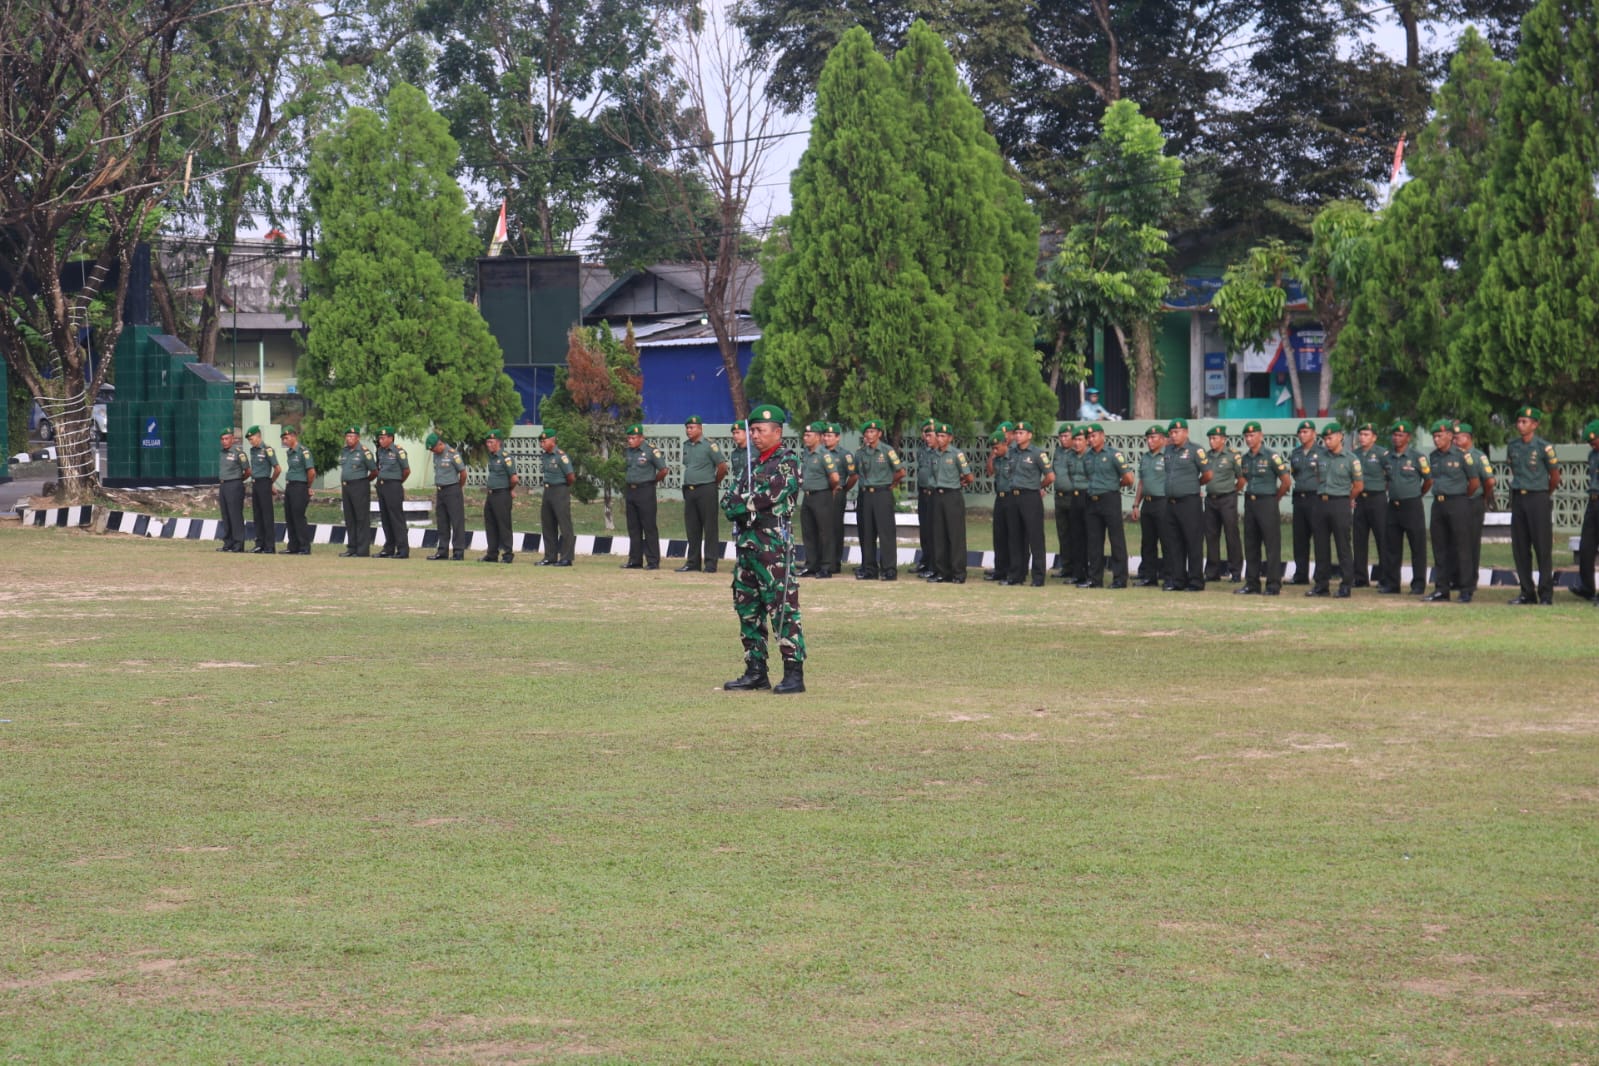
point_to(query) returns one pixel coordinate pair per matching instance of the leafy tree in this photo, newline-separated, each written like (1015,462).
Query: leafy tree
(597,394)
(1252,304)
(1532,326)
(1419,268)
(1111,272)
(1334,265)
(389,337)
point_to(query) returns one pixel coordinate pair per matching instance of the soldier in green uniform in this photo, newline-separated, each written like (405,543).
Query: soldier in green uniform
(1409,479)
(926,460)
(1061,464)
(1030,478)
(880,470)
(818,480)
(1534,475)
(264,470)
(1105,472)
(1588,544)
(449,480)
(741,448)
(297,481)
(1371,509)
(502,482)
(1451,516)
(1340,478)
(357,468)
(761,506)
(1221,509)
(230,492)
(848,477)
(394,466)
(1302,462)
(1077,507)
(951,475)
(704,467)
(999,445)
(646,467)
(1482,501)
(1187,471)
(1149,508)
(1265,475)
(555,513)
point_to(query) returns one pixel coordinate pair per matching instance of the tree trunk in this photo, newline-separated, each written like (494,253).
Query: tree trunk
(1293,368)
(1140,356)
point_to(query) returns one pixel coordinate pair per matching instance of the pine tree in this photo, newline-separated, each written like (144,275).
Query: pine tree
(1532,327)
(390,338)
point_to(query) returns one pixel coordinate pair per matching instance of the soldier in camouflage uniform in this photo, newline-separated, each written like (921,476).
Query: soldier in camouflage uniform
(761,506)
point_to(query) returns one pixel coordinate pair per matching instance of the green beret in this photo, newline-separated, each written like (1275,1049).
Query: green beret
(227,431)
(1530,412)
(1463,427)
(1591,430)
(1080,431)
(431,441)
(1216,431)
(1253,427)
(633,428)
(1444,425)
(289,431)
(943,427)
(1004,427)
(873,424)
(1176,423)
(930,424)
(738,427)
(1092,427)
(997,436)
(252,431)
(1025,425)
(1366,427)
(1065,427)
(693,420)
(1402,425)
(546,434)
(816,427)
(835,428)
(1154,431)
(386,431)
(353,429)
(1330,428)
(768,412)
(494,434)
(1306,424)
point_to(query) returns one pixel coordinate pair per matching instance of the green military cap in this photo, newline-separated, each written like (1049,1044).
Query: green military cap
(1065,427)
(929,424)
(432,439)
(289,431)
(1306,424)
(1216,431)
(768,412)
(227,431)
(997,436)
(1154,431)
(816,427)
(1253,427)
(1092,427)
(1530,412)
(693,420)
(1080,431)
(1024,424)
(1366,427)
(354,429)
(494,434)
(386,431)
(252,431)
(1402,425)
(872,424)
(1176,423)
(632,428)
(1463,427)
(1591,430)
(736,426)
(835,427)
(1443,424)
(1004,426)
(546,434)
(1330,428)
(943,427)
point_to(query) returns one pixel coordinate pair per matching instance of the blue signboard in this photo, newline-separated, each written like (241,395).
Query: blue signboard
(152,434)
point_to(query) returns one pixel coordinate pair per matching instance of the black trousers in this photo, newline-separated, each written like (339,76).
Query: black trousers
(643,535)
(391,514)
(874,509)
(1027,536)
(451,508)
(555,514)
(266,523)
(1333,523)
(1102,517)
(1532,532)
(1077,532)
(840,504)
(1221,524)
(1588,546)
(357,499)
(924,526)
(1063,533)
(230,498)
(1004,510)
(296,494)
(1371,522)
(1451,544)
(949,534)
(699,523)
(1185,543)
(1407,523)
(1479,518)
(1263,531)
(497,522)
(1304,524)
(816,527)
(1152,536)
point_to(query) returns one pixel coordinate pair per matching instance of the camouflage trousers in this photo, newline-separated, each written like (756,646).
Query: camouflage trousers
(764,592)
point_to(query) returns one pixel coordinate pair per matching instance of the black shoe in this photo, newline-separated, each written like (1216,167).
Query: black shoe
(1300,581)
(1195,588)
(1387,590)
(1274,592)
(1465,596)
(1523,600)
(1343,592)
(687,568)
(457,556)
(1583,594)
(385,554)
(1113,584)
(631,566)
(1246,590)
(754,678)
(1546,599)
(1145,583)
(957,580)
(223,548)
(397,555)
(824,573)
(546,562)
(889,575)
(807,572)
(989,575)
(507,557)
(258,550)
(710,568)
(652,566)
(438,555)
(865,575)
(1038,582)
(1169,587)
(793,678)
(1318,592)
(489,559)
(347,554)
(1236,578)
(1441,596)
(1082,584)
(564,562)
(934,579)
(1360,584)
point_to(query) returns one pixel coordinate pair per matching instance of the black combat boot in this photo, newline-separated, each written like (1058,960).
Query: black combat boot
(793,678)
(754,678)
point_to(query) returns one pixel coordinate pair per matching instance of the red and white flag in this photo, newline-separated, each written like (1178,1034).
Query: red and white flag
(1399,160)
(498,240)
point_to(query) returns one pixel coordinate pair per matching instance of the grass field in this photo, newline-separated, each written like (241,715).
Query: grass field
(317,810)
